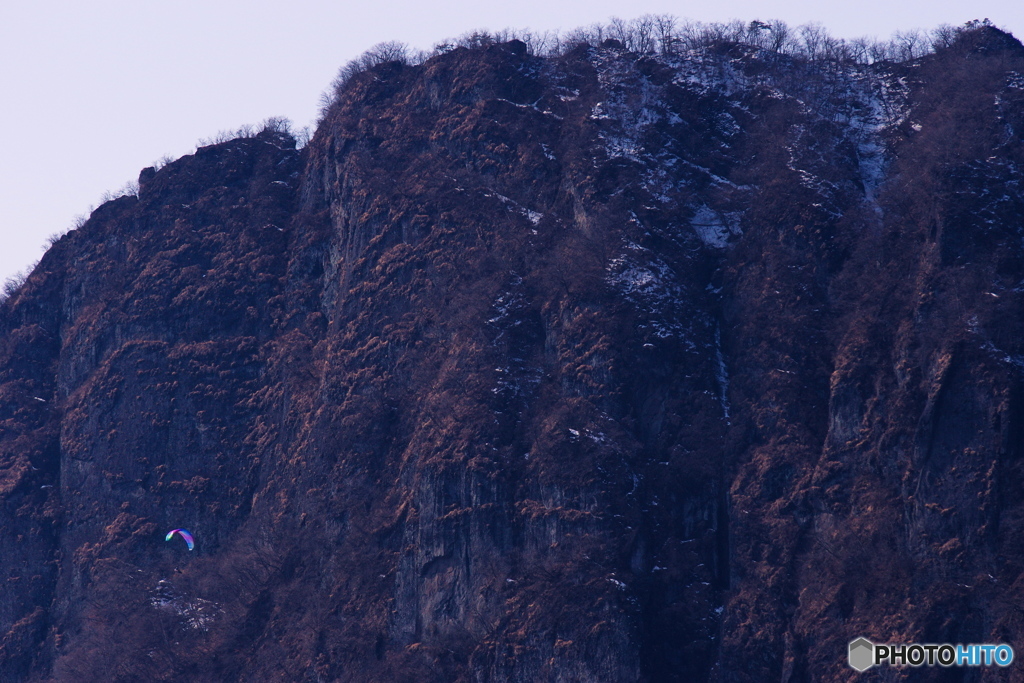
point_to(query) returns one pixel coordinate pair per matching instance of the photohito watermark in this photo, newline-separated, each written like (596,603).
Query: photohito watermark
(864,654)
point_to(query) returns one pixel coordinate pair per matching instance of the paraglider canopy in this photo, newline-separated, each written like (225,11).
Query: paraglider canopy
(184,534)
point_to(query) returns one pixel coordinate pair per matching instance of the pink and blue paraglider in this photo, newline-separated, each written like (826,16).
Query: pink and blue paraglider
(184,534)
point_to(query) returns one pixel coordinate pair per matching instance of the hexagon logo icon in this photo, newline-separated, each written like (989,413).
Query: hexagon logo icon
(862,654)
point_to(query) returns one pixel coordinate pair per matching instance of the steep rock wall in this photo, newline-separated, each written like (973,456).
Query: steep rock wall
(598,367)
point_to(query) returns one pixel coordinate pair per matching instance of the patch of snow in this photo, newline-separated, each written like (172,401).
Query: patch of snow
(532,216)
(195,613)
(711,228)
(722,373)
(651,286)
(533,106)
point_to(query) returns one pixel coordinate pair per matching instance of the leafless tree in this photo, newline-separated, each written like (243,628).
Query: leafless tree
(277,124)
(129,189)
(812,39)
(880,51)
(303,136)
(444,47)
(759,33)
(162,161)
(541,43)
(781,37)
(735,31)
(858,49)
(835,50)
(665,33)
(644,34)
(621,31)
(579,36)
(689,34)
(385,53)
(909,45)
(476,39)
(14,282)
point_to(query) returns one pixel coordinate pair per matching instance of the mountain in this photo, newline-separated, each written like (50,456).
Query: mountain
(601,366)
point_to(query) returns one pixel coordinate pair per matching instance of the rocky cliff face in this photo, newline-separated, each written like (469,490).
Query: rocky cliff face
(602,367)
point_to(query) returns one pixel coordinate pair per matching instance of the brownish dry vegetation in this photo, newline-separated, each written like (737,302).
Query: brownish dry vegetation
(463,390)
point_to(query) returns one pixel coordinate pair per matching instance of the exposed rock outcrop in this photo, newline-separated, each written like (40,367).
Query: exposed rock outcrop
(599,367)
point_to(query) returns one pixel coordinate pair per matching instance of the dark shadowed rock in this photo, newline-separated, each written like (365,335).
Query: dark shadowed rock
(601,367)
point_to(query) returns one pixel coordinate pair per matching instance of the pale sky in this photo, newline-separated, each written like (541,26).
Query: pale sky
(92,92)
